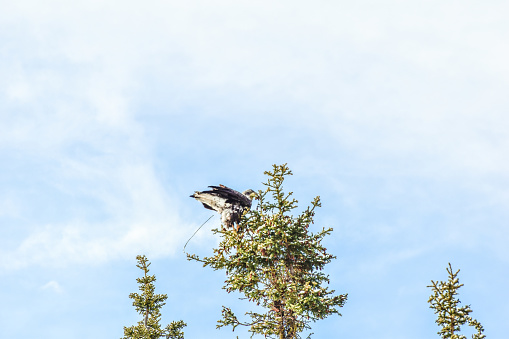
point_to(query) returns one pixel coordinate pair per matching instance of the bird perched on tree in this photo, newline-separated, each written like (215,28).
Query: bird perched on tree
(226,201)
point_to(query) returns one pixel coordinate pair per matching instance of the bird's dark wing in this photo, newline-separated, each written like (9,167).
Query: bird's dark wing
(231,196)
(207,207)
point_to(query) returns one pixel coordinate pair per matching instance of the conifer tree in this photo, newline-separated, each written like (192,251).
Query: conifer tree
(450,316)
(276,262)
(148,304)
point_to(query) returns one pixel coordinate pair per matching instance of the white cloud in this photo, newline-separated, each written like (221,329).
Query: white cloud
(140,218)
(53,286)
(416,88)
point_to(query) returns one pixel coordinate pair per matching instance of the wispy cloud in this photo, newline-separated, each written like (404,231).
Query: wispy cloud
(402,90)
(53,286)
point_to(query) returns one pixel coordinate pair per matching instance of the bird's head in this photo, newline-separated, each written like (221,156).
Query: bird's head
(250,194)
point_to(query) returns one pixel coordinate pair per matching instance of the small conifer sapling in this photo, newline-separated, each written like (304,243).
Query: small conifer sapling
(450,315)
(148,305)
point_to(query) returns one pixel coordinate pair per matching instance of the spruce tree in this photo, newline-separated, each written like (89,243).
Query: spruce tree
(450,316)
(148,304)
(276,262)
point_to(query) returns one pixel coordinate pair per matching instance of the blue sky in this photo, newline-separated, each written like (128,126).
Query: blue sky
(113,112)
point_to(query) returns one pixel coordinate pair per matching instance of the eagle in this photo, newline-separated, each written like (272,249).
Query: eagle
(226,201)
